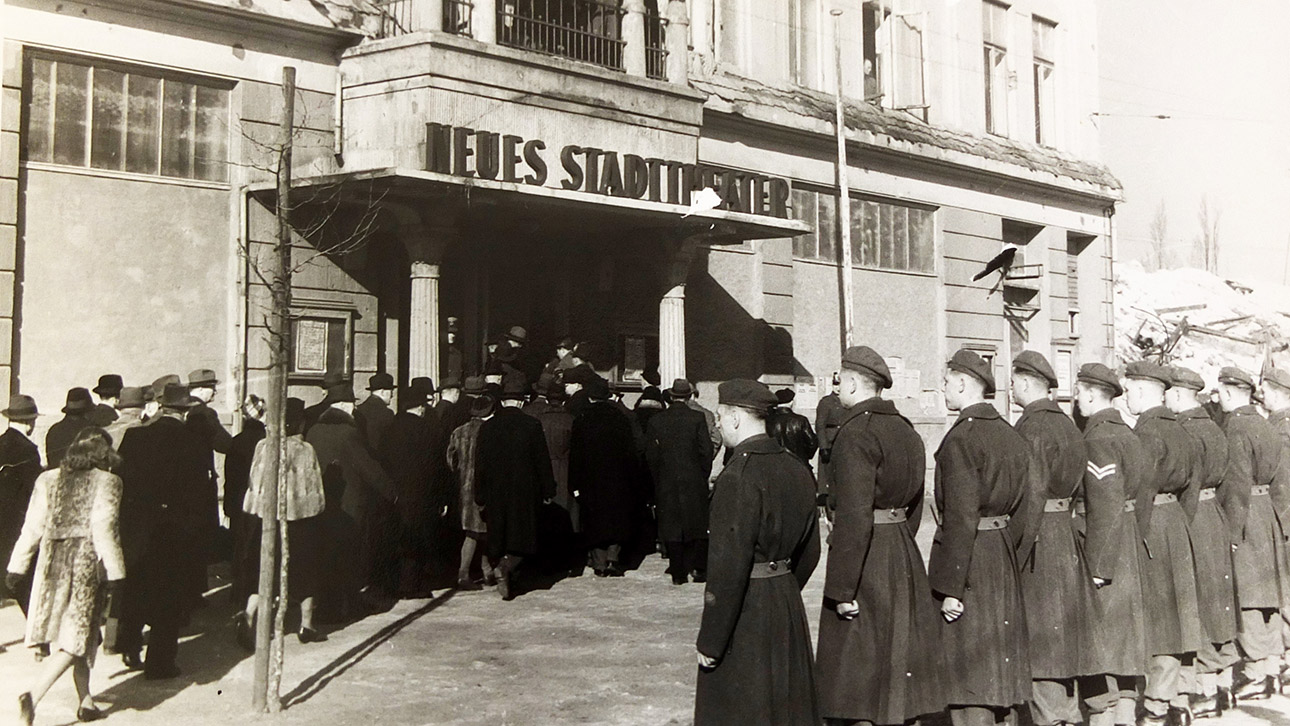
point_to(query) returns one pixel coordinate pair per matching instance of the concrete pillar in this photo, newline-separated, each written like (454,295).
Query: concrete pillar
(425,248)
(701,16)
(677,35)
(634,37)
(429,16)
(483,20)
(671,311)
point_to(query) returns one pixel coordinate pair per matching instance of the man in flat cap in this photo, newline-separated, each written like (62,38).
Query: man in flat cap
(792,430)
(605,475)
(982,470)
(1053,582)
(877,653)
(1254,482)
(514,478)
(1276,399)
(19,468)
(76,416)
(1114,654)
(1168,569)
(754,645)
(374,414)
(107,391)
(679,454)
(1211,548)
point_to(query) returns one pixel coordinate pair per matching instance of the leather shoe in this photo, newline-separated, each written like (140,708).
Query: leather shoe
(89,713)
(243,632)
(26,709)
(310,635)
(1205,707)
(1254,690)
(504,585)
(1225,700)
(132,660)
(467,584)
(1178,716)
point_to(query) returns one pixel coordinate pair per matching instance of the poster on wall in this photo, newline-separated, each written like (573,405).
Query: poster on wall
(311,346)
(1063,373)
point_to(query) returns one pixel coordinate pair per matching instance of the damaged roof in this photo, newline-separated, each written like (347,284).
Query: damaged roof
(901,132)
(360,16)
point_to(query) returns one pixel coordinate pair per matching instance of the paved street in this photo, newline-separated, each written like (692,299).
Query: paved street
(586,651)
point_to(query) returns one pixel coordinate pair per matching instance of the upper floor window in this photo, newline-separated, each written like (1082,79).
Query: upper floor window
(994,32)
(99,116)
(884,235)
(1043,34)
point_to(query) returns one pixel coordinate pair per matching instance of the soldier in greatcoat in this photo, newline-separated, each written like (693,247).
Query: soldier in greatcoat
(982,470)
(1256,478)
(1055,588)
(1215,579)
(164,472)
(827,414)
(1115,654)
(679,454)
(878,652)
(754,646)
(1168,569)
(514,478)
(1276,399)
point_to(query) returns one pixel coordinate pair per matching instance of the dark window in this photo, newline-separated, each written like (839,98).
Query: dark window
(994,33)
(1043,34)
(884,235)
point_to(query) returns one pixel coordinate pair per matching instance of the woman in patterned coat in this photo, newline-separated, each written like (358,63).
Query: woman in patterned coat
(72,520)
(462,460)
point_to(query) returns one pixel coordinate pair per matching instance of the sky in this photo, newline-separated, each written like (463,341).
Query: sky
(1221,72)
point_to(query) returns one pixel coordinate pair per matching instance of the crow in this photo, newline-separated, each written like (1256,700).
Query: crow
(1001,261)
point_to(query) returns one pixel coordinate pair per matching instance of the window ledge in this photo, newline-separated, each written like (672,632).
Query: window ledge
(124,175)
(866,268)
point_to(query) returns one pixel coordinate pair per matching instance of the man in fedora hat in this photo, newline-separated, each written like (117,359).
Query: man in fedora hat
(107,391)
(765,544)
(165,475)
(517,339)
(791,429)
(205,423)
(130,407)
(679,454)
(19,468)
(406,453)
(63,433)
(982,470)
(514,479)
(357,483)
(153,394)
(332,381)
(562,350)
(605,475)
(373,414)
(1256,481)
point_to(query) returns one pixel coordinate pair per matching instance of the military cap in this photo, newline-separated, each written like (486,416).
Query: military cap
(785,395)
(1182,377)
(1149,371)
(21,408)
(380,382)
(1278,377)
(1034,362)
(109,386)
(202,378)
(1099,374)
(159,385)
(746,393)
(474,385)
(515,386)
(866,360)
(1235,376)
(78,401)
(965,361)
(131,397)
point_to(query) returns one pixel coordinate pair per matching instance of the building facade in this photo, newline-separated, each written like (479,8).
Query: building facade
(658,179)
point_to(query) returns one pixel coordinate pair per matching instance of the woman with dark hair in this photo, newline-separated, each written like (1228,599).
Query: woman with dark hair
(72,520)
(304,502)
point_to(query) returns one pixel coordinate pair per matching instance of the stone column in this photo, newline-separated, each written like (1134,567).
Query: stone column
(677,35)
(634,37)
(483,21)
(425,248)
(701,17)
(671,310)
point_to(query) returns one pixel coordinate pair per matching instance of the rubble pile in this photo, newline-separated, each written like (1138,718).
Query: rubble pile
(1192,318)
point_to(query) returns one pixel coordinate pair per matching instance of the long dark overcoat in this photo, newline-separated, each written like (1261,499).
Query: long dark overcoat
(514,471)
(1168,568)
(406,445)
(982,470)
(1254,459)
(883,666)
(679,454)
(164,474)
(19,467)
(205,423)
(374,418)
(1116,641)
(763,510)
(1215,579)
(61,435)
(237,477)
(1054,584)
(606,473)
(557,426)
(828,417)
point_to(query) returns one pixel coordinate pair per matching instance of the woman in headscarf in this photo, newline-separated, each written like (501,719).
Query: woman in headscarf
(73,521)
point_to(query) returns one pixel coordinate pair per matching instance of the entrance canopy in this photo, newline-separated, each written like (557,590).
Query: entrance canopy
(495,206)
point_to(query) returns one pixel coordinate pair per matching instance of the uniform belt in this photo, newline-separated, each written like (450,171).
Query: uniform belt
(1260,490)
(1058,505)
(889,516)
(1166,498)
(1207,494)
(775,568)
(988,523)
(1081,509)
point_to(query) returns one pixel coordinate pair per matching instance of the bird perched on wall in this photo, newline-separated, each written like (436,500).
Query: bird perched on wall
(1002,263)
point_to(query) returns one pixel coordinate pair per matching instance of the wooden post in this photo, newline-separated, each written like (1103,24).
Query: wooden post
(844,190)
(265,695)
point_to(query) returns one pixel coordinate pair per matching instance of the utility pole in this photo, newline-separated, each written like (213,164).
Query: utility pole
(844,189)
(265,697)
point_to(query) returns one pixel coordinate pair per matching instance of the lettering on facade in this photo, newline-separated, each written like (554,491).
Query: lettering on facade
(467,152)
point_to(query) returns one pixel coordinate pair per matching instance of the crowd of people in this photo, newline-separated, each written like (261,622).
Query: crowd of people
(1100,574)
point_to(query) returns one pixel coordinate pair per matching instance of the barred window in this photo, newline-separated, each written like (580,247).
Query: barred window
(106,117)
(884,235)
